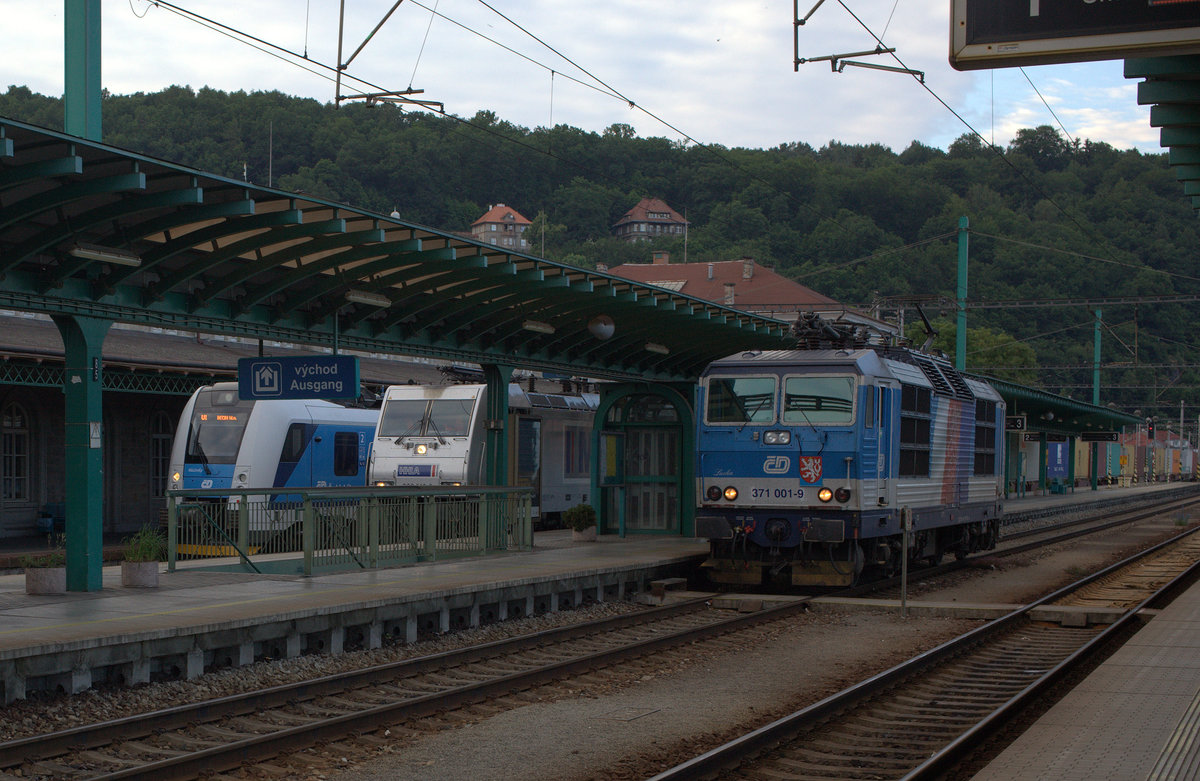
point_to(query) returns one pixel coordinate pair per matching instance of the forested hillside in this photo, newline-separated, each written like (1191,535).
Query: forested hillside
(1050,219)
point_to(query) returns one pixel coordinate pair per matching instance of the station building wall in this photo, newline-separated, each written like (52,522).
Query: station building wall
(137,433)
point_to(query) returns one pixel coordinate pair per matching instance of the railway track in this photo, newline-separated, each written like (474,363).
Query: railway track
(231,732)
(224,734)
(917,720)
(1026,540)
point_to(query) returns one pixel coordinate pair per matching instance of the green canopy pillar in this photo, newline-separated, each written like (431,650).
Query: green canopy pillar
(83,91)
(82,339)
(497,378)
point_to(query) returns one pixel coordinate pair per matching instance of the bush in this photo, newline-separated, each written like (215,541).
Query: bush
(580,517)
(56,556)
(147,545)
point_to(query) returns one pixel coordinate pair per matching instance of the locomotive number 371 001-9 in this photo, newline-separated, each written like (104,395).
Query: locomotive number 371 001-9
(776,493)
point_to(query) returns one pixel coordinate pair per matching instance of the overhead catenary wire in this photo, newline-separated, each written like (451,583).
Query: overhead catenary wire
(1024,175)
(603,88)
(1047,105)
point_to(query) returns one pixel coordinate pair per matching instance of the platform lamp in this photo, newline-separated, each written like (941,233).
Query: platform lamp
(367,297)
(602,327)
(106,254)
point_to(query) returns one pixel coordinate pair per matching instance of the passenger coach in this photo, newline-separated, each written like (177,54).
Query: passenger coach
(809,459)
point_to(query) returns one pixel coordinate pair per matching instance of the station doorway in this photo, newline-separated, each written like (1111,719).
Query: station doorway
(644,451)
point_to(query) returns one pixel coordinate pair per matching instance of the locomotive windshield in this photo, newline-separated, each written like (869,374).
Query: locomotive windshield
(218,422)
(426,417)
(818,400)
(741,400)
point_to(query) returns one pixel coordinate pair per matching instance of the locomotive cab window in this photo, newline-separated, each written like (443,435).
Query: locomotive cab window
(818,400)
(426,418)
(741,400)
(295,441)
(218,423)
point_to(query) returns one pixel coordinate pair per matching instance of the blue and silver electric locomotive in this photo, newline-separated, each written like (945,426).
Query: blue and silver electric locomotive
(809,459)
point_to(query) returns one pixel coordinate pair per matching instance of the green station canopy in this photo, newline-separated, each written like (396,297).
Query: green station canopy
(90,229)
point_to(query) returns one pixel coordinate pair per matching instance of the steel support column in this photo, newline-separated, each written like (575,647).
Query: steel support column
(1096,397)
(960,335)
(81,54)
(82,340)
(497,377)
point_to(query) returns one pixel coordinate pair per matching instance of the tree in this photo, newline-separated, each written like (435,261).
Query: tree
(1044,146)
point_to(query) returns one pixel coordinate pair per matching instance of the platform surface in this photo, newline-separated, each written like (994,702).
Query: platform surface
(1135,718)
(206,600)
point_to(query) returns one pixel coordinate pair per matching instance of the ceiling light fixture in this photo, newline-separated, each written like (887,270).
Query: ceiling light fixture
(537,326)
(601,327)
(368,298)
(105,254)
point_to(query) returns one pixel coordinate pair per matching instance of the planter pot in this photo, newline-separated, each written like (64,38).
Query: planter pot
(139,574)
(587,535)
(46,580)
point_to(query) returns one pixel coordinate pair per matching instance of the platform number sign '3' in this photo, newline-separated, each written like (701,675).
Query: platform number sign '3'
(810,468)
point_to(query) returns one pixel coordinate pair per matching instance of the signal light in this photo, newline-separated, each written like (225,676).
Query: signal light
(842,495)
(713,493)
(825,494)
(731,493)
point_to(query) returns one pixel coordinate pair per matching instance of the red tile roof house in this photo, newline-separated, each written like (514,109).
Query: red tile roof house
(503,226)
(650,218)
(742,284)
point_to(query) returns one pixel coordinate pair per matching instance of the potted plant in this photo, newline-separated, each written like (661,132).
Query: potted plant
(46,573)
(582,520)
(143,551)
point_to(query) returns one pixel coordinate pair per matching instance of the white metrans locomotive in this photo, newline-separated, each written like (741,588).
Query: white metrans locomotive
(434,435)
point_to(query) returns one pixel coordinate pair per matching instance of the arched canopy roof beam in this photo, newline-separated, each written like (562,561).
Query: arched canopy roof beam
(175,247)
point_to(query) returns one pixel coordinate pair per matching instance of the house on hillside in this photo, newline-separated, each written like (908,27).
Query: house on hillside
(746,285)
(503,226)
(649,219)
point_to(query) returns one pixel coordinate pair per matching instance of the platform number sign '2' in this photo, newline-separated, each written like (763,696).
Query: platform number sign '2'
(810,468)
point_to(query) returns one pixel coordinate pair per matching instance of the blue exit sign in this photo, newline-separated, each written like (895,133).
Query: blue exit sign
(309,377)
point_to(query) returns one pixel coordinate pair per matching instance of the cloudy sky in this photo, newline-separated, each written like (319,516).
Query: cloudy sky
(718,72)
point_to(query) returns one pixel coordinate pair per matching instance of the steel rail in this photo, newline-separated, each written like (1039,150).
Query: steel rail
(927,573)
(768,737)
(260,747)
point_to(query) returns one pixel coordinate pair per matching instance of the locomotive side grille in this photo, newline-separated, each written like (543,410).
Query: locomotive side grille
(930,370)
(945,381)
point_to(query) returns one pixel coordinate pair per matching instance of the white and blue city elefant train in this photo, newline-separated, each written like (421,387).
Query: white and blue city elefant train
(434,435)
(808,460)
(224,442)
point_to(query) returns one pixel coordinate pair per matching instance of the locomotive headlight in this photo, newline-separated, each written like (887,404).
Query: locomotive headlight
(842,495)
(176,477)
(421,449)
(713,493)
(825,494)
(777,437)
(731,493)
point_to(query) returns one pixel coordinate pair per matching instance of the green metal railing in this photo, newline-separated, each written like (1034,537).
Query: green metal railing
(322,530)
